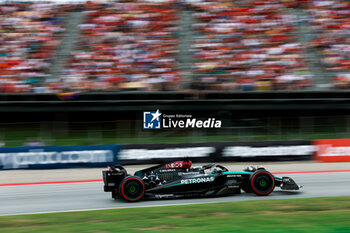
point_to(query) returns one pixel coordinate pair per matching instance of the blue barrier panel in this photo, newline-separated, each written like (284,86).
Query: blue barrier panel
(46,157)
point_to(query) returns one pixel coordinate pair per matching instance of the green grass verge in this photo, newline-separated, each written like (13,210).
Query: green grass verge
(18,138)
(70,133)
(294,215)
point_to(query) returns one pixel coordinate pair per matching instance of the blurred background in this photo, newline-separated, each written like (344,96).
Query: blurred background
(78,75)
(82,72)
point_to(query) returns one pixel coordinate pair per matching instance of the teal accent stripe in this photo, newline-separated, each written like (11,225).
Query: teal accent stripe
(237,173)
(246,173)
(174,185)
(226,173)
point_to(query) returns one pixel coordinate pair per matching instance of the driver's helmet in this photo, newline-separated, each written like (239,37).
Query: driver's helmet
(214,171)
(250,169)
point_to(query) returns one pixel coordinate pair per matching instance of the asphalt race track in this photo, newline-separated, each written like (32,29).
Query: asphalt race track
(43,198)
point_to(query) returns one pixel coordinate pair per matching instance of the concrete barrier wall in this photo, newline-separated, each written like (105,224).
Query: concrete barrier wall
(217,151)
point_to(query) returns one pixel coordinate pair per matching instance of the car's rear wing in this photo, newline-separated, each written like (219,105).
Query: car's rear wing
(112,177)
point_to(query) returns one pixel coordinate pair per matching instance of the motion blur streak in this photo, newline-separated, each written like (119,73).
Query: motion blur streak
(306,172)
(88,181)
(63,197)
(53,182)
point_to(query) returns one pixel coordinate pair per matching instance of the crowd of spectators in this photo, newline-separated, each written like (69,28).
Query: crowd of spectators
(248,45)
(29,36)
(331,22)
(125,45)
(134,45)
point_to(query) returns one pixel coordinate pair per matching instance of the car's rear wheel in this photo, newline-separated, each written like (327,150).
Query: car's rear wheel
(262,182)
(132,188)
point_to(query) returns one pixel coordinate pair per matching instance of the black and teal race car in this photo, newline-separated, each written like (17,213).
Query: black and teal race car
(180,180)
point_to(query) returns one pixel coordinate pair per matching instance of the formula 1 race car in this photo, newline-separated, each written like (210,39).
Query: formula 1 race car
(179,180)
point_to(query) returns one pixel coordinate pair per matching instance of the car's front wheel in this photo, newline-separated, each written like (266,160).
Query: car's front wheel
(132,188)
(262,182)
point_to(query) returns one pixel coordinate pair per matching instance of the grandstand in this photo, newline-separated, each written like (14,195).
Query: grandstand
(268,69)
(30,35)
(330,23)
(170,45)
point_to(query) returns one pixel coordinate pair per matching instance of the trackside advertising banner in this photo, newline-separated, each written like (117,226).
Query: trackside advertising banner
(217,151)
(332,150)
(58,157)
